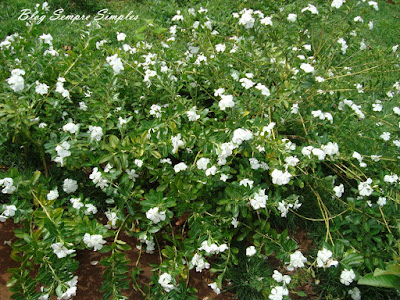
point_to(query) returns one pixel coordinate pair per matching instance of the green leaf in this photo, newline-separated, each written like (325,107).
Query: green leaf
(387,281)
(301,294)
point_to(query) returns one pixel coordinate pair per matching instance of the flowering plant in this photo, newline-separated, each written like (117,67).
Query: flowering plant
(211,136)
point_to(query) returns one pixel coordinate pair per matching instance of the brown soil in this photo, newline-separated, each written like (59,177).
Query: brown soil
(90,271)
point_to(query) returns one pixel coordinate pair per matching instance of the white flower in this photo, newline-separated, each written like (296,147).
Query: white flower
(178,16)
(199,262)
(52,195)
(381,201)
(259,200)
(247,19)
(112,219)
(220,47)
(96,133)
(211,171)
(355,293)
(90,209)
(337,3)
(165,281)
(138,162)
(155,110)
(70,186)
(192,115)
(116,63)
(121,36)
(96,241)
(342,42)
(8,185)
(374,5)
(347,276)
(213,248)
(291,161)
(83,106)
(215,288)
(306,151)
(292,18)
(219,92)
(76,203)
(9,210)
(297,260)
(46,38)
(177,142)
(235,222)
(319,153)
(180,167)
(41,88)
(264,90)
(246,83)
(278,277)
(62,152)
(307,68)
(71,128)
(240,135)
(323,259)
(97,178)
(396,110)
(226,102)
(16,81)
(250,251)
(311,8)
(295,108)
(330,149)
(278,292)
(280,178)
(339,190)
(223,177)
(155,216)
(370,25)
(364,188)
(266,21)
(246,182)
(202,163)
(391,178)
(385,136)
(60,250)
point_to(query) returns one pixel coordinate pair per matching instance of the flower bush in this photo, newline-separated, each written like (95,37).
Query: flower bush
(239,129)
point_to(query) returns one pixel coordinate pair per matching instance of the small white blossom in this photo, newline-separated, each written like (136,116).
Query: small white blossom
(121,36)
(155,216)
(96,241)
(180,167)
(307,68)
(41,88)
(8,185)
(385,136)
(165,281)
(337,3)
(60,250)
(215,288)
(52,195)
(292,18)
(365,188)
(250,251)
(226,102)
(259,199)
(280,178)
(192,115)
(96,133)
(347,276)
(70,186)
(297,260)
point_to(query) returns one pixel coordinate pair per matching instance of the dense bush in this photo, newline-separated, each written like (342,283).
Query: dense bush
(217,137)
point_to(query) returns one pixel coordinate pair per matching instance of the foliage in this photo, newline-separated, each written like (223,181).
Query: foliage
(197,135)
